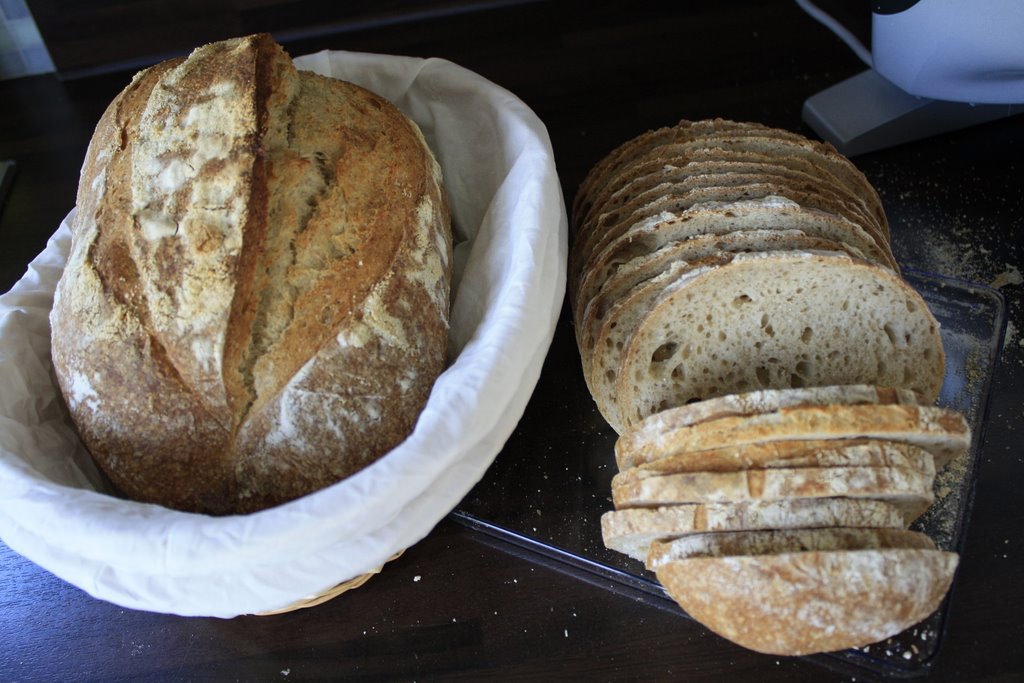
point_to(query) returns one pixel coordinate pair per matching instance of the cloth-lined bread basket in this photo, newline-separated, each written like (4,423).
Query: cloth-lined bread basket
(510,230)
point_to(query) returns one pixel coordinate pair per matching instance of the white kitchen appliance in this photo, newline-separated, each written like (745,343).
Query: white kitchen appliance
(935,66)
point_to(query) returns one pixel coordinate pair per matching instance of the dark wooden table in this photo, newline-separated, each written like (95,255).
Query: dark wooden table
(463,605)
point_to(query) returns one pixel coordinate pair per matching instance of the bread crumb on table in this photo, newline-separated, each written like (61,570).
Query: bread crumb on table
(1010,276)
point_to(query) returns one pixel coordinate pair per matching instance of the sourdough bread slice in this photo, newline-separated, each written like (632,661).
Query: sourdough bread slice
(592,239)
(627,273)
(595,305)
(777,541)
(631,531)
(828,165)
(744,207)
(703,190)
(616,329)
(651,246)
(822,155)
(809,602)
(604,344)
(673,181)
(642,241)
(907,489)
(634,148)
(648,172)
(786,454)
(942,432)
(777,320)
(637,147)
(760,402)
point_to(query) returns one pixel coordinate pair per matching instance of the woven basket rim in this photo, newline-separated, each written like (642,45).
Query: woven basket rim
(330,593)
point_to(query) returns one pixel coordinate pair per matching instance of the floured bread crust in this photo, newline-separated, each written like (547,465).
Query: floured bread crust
(942,432)
(763,401)
(256,302)
(807,602)
(631,531)
(908,489)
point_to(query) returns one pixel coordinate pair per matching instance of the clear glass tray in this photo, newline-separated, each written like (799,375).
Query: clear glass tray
(548,488)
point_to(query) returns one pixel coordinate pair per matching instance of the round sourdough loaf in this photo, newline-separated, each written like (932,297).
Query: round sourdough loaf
(255,305)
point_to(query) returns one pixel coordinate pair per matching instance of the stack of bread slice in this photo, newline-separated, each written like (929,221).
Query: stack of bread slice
(715,257)
(744,327)
(778,518)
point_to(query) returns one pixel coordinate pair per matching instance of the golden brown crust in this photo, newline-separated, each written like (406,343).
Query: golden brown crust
(942,432)
(785,454)
(719,186)
(759,402)
(906,488)
(803,603)
(256,302)
(605,170)
(751,543)
(631,531)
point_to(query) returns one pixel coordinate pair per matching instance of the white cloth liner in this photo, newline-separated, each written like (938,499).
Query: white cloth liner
(510,220)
